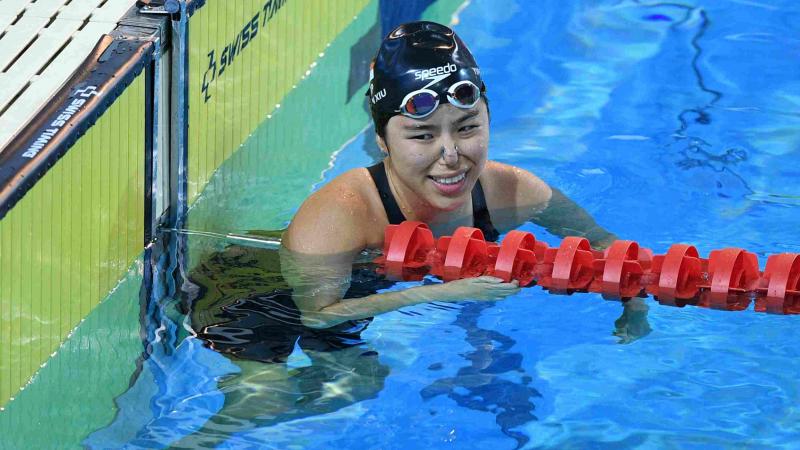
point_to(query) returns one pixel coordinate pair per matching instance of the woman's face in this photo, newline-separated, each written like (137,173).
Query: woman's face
(442,179)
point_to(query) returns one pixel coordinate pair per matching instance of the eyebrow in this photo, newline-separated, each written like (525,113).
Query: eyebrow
(470,114)
(418,127)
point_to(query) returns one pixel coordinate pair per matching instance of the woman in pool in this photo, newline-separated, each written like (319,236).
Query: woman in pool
(432,121)
(431,117)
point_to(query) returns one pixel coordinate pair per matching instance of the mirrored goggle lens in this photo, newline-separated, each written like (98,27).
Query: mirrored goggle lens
(465,95)
(421,104)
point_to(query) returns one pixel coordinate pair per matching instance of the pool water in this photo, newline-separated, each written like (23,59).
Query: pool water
(669,122)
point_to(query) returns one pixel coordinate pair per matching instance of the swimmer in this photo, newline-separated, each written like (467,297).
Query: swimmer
(431,114)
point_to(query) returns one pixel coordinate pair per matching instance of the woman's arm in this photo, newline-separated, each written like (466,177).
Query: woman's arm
(519,196)
(319,247)
(563,217)
(320,283)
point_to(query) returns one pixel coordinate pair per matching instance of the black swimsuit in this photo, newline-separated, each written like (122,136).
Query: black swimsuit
(266,326)
(480,212)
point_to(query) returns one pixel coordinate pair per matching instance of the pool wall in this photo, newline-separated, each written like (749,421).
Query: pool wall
(72,243)
(272,121)
(74,215)
(244,57)
(88,209)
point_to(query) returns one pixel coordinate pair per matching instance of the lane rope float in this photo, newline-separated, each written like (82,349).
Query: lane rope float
(728,279)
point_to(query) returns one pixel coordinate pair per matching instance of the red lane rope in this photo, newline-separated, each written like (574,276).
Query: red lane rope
(728,279)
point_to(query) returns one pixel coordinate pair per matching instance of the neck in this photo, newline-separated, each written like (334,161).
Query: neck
(416,208)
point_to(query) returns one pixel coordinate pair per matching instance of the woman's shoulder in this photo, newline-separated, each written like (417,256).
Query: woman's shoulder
(333,217)
(508,186)
(349,190)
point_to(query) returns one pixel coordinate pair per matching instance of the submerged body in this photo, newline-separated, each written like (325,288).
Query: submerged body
(436,170)
(432,168)
(431,115)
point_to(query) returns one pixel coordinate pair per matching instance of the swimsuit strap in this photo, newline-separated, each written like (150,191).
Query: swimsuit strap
(389,203)
(480,213)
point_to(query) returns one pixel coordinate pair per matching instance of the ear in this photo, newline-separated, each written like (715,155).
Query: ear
(381,144)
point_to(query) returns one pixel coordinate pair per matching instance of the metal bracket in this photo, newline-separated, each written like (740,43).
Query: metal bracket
(159,7)
(136,24)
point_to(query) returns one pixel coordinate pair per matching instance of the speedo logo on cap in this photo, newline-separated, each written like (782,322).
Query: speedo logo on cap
(427,74)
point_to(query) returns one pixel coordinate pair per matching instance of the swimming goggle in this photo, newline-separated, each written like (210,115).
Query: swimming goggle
(423,102)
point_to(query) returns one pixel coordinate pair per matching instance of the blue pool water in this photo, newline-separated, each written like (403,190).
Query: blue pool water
(669,122)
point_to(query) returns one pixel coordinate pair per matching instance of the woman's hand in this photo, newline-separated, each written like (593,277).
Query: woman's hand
(632,324)
(603,242)
(480,288)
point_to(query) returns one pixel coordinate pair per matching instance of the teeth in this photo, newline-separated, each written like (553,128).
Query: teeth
(452,180)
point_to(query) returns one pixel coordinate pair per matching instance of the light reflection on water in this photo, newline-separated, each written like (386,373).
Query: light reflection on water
(266,370)
(648,115)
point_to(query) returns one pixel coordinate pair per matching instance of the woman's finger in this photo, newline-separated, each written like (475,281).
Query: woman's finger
(490,279)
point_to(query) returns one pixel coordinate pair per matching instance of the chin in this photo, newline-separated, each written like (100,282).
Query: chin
(448,204)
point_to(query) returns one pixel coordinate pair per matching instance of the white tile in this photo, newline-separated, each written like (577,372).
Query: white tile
(13,7)
(18,36)
(113,11)
(45,47)
(79,10)
(45,8)
(51,80)
(11,86)
(5,22)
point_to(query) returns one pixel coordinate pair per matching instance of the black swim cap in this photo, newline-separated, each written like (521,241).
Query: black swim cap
(414,56)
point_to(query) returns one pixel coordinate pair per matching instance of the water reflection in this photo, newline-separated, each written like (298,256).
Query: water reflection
(243,309)
(263,395)
(268,368)
(495,381)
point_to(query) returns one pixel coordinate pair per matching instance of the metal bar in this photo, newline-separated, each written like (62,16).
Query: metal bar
(179,116)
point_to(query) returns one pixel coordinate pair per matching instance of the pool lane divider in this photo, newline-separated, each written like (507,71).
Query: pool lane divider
(729,279)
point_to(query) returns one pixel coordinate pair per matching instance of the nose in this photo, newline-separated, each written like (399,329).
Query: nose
(450,153)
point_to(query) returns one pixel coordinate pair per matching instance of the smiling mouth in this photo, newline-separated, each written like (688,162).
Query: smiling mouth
(451,180)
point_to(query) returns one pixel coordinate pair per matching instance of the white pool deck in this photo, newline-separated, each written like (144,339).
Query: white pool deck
(42,42)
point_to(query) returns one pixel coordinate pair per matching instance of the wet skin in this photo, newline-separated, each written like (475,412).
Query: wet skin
(266,394)
(263,394)
(346,216)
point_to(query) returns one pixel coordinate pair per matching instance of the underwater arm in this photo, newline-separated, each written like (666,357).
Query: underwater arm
(319,283)
(563,217)
(480,288)
(519,196)
(533,200)
(317,256)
